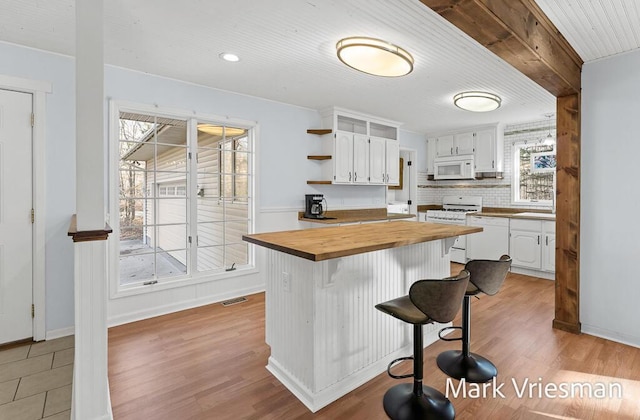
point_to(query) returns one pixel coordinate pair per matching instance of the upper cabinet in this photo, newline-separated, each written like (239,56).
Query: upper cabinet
(363,150)
(489,153)
(463,143)
(485,143)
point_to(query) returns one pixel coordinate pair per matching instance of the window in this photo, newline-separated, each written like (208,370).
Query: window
(183,198)
(533,173)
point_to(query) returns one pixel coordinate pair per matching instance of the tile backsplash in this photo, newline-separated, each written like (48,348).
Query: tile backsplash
(495,192)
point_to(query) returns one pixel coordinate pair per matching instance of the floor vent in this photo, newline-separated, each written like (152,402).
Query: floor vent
(234,301)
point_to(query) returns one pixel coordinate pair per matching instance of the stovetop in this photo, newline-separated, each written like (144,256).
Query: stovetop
(456,207)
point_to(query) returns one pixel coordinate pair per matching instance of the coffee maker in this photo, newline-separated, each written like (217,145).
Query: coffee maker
(313,208)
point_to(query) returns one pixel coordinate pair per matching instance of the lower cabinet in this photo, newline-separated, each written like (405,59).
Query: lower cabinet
(492,242)
(549,246)
(532,244)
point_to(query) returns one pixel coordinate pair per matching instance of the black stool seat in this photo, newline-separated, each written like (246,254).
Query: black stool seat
(487,276)
(428,301)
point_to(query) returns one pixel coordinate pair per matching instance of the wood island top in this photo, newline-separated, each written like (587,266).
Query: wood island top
(342,241)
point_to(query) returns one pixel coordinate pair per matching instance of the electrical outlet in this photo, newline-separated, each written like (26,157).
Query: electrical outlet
(286,281)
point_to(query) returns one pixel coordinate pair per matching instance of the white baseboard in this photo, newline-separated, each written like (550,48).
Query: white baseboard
(62,332)
(180,306)
(618,337)
(534,273)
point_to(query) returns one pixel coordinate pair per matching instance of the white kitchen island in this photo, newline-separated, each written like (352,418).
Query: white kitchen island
(322,285)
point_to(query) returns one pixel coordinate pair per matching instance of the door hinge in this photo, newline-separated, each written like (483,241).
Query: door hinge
(33,216)
(33,119)
(189,154)
(33,310)
(189,239)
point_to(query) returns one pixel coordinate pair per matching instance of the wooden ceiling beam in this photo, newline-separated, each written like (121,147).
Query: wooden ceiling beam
(521,34)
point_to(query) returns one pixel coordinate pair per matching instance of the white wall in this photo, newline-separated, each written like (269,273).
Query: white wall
(609,250)
(282,170)
(60,171)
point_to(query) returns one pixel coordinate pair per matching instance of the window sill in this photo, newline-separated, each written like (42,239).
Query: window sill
(179,282)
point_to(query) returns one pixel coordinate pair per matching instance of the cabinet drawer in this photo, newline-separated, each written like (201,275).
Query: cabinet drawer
(487,221)
(549,227)
(523,224)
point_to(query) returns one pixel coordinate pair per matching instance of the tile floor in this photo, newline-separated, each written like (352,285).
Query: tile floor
(35,380)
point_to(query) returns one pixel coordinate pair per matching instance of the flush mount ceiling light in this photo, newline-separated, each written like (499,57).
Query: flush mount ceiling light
(374,56)
(229,57)
(477,101)
(218,130)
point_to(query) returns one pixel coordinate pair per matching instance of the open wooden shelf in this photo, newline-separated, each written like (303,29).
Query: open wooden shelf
(319,182)
(318,157)
(319,131)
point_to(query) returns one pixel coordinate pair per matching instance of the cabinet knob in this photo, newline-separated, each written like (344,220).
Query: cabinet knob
(538,239)
(355,176)
(349,176)
(456,150)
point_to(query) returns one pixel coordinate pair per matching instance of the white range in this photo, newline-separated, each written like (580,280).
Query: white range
(454,212)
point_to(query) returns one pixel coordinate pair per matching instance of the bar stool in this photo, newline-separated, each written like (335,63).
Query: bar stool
(487,276)
(428,301)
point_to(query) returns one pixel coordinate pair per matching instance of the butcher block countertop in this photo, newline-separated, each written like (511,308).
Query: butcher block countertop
(355,216)
(343,241)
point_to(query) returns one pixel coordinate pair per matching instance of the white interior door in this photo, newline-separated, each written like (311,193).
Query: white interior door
(15,216)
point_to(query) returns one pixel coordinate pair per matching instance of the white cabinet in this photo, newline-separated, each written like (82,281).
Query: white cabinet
(392,162)
(384,160)
(364,150)
(532,244)
(463,143)
(343,157)
(454,144)
(525,249)
(351,158)
(492,242)
(489,152)
(431,154)
(377,160)
(549,246)
(486,143)
(360,159)
(444,145)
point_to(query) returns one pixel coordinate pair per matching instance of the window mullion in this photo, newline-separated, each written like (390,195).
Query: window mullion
(191,197)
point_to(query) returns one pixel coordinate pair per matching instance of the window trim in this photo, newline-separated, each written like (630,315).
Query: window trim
(116,290)
(515,179)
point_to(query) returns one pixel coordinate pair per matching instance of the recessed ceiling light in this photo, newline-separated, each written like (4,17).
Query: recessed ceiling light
(374,56)
(477,101)
(229,57)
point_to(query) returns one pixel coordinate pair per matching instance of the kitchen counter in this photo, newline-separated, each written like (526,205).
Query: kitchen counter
(342,241)
(515,214)
(325,334)
(355,216)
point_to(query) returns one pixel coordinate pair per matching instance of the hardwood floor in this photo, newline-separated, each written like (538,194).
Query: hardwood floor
(209,363)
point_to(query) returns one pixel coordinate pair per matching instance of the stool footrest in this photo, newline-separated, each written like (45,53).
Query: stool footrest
(447,329)
(393,362)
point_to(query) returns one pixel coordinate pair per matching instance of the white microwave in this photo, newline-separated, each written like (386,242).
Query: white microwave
(454,167)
